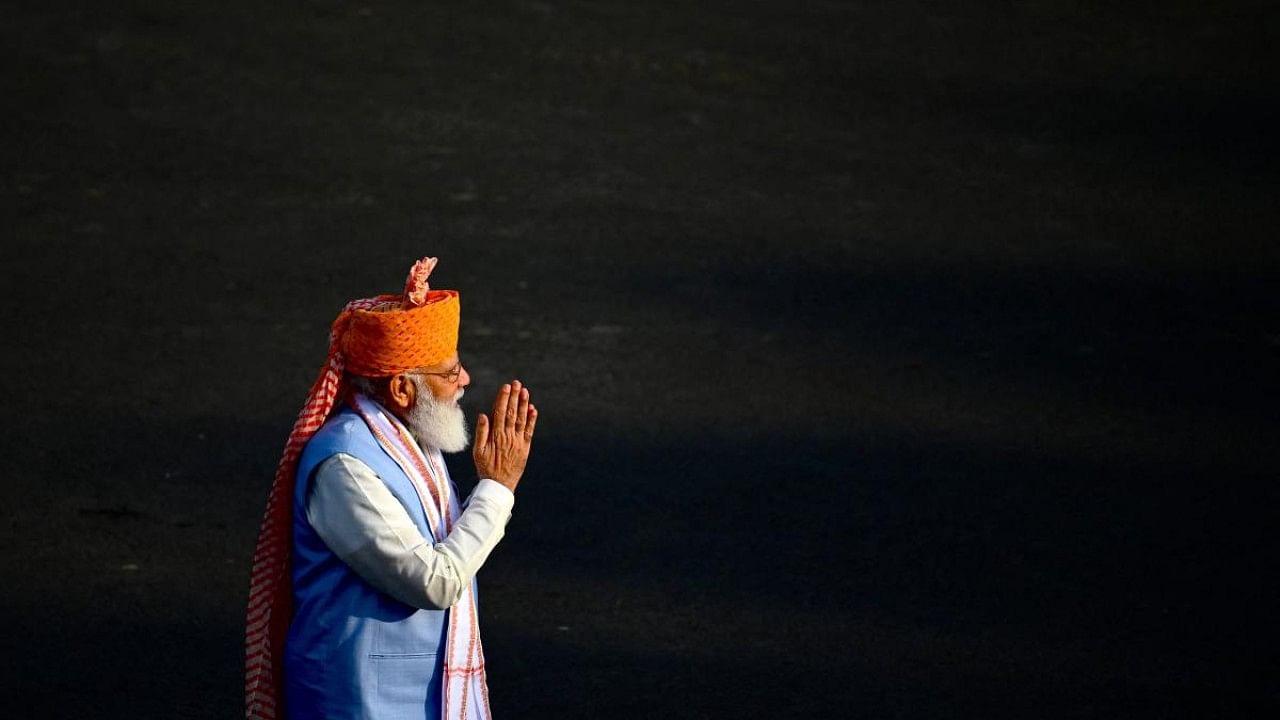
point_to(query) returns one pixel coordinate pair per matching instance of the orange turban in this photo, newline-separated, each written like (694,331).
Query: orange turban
(390,338)
(393,334)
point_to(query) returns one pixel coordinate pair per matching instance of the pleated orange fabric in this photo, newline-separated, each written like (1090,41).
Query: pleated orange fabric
(385,339)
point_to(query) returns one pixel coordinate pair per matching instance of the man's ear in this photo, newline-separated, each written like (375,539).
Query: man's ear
(401,392)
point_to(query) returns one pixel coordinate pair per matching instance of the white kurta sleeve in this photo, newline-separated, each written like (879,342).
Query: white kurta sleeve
(364,524)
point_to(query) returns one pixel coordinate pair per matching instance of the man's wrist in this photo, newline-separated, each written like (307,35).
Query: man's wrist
(490,490)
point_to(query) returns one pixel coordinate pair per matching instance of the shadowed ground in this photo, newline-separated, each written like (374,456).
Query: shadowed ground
(894,360)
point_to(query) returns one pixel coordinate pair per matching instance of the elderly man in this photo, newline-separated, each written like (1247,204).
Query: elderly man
(362,600)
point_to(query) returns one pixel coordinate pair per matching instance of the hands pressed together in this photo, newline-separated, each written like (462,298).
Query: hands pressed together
(502,445)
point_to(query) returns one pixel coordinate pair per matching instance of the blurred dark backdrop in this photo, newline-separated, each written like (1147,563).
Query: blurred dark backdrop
(895,359)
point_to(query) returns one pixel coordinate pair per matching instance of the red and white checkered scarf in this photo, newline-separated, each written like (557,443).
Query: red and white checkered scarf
(270,586)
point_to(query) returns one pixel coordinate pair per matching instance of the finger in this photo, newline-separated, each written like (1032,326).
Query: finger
(482,431)
(512,403)
(522,410)
(500,408)
(531,423)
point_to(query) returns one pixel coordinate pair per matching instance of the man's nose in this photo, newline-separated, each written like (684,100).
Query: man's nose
(464,379)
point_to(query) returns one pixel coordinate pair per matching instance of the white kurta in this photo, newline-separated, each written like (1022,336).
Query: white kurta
(359,519)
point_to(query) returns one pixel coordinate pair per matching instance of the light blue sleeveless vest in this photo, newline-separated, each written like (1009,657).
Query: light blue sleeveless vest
(352,651)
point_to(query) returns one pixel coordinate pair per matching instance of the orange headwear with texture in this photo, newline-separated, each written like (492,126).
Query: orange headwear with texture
(374,337)
(397,333)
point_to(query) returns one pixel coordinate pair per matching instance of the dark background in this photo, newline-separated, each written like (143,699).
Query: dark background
(894,359)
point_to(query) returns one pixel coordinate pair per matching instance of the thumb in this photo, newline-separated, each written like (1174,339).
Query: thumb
(482,431)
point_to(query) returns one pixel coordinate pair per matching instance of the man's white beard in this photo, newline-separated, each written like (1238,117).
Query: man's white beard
(438,424)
